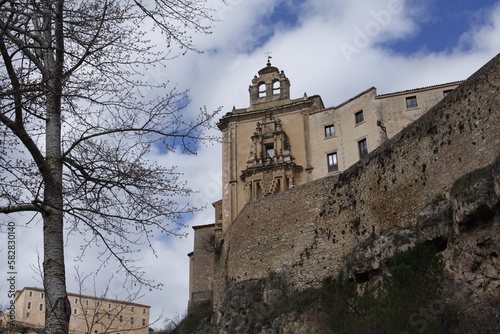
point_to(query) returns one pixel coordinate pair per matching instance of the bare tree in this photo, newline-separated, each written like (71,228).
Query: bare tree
(78,119)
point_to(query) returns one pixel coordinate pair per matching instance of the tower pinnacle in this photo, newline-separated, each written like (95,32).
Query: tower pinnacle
(269,85)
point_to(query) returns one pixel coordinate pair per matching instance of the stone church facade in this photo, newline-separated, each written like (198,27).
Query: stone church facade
(278,143)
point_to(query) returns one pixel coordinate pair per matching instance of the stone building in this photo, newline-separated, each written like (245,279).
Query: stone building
(277,143)
(89,314)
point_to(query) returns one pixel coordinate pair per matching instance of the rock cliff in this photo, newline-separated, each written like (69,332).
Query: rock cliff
(436,183)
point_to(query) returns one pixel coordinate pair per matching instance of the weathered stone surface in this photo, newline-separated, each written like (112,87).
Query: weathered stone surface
(436,182)
(474,199)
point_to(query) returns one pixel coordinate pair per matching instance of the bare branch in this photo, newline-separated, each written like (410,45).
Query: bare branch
(20,208)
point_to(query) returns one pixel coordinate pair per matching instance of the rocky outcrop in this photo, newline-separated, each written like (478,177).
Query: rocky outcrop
(473,255)
(463,225)
(268,306)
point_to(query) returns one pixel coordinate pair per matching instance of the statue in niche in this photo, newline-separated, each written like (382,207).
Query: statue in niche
(258,129)
(251,157)
(267,182)
(278,125)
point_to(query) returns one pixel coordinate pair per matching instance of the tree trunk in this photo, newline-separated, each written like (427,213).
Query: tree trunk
(58,308)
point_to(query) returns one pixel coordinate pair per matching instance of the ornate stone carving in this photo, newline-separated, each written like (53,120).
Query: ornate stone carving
(270,165)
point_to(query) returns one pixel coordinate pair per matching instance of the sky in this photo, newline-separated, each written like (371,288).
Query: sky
(335,49)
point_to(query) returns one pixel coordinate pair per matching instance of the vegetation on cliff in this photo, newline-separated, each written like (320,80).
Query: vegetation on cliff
(408,298)
(413,295)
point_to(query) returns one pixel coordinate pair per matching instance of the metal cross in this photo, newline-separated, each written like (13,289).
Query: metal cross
(268,53)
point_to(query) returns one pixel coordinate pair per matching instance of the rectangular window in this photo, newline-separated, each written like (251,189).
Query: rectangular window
(132,309)
(75,311)
(132,320)
(76,300)
(359,116)
(363,148)
(31,293)
(269,150)
(447,92)
(329,131)
(109,306)
(87,302)
(143,311)
(411,102)
(29,305)
(333,163)
(42,295)
(41,307)
(27,314)
(144,322)
(109,316)
(121,318)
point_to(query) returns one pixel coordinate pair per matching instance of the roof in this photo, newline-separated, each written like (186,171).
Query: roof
(421,88)
(355,97)
(203,226)
(86,296)
(269,68)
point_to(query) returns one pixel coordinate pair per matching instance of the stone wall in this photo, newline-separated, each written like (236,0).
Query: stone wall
(307,233)
(201,265)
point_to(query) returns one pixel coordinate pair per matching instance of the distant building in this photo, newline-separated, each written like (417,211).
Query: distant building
(89,314)
(278,142)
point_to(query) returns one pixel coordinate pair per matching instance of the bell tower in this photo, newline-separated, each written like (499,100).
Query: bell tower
(264,146)
(270,85)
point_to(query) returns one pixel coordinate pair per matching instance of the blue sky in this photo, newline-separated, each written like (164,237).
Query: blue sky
(334,48)
(441,24)
(284,15)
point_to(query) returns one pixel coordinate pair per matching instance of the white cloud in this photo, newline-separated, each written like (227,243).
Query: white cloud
(310,54)
(483,38)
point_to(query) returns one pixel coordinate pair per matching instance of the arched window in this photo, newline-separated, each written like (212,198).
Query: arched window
(262,89)
(276,87)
